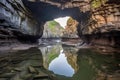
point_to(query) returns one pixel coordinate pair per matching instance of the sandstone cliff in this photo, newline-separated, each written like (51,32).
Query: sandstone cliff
(71,29)
(103,28)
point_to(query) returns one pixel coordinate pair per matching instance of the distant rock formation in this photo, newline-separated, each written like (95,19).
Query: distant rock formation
(52,29)
(70,29)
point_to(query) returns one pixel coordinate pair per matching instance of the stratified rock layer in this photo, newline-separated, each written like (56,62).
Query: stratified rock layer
(103,29)
(17,22)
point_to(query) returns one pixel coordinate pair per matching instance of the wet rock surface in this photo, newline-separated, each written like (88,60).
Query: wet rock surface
(22,65)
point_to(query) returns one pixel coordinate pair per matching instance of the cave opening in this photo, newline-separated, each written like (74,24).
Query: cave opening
(36,43)
(55,27)
(62,27)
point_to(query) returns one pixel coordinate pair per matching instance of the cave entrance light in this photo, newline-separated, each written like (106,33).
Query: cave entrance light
(62,21)
(55,28)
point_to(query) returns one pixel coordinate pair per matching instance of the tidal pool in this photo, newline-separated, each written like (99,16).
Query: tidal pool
(71,63)
(57,62)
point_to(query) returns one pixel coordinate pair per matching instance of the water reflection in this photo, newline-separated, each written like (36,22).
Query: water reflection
(95,66)
(83,64)
(60,61)
(50,53)
(61,66)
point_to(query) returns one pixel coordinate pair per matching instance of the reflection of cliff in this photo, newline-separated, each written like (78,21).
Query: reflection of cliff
(90,65)
(96,66)
(71,55)
(50,53)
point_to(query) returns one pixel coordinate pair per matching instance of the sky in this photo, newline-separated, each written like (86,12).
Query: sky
(60,65)
(62,21)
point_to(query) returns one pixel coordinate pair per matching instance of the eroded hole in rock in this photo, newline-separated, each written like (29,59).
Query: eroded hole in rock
(95,55)
(63,27)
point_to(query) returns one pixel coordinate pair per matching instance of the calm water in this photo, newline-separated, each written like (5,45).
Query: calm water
(70,63)
(61,66)
(57,62)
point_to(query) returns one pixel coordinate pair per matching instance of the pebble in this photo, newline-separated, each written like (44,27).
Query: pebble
(17,69)
(32,69)
(41,75)
(28,77)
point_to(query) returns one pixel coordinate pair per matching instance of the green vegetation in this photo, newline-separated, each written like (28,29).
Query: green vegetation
(52,25)
(52,55)
(98,3)
(52,29)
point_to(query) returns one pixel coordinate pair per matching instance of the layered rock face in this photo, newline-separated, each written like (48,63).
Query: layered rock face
(17,22)
(103,29)
(52,53)
(105,17)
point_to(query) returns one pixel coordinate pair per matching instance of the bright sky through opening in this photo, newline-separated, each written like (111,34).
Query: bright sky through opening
(62,21)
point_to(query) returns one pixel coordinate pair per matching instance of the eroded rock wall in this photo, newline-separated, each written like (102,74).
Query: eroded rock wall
(103,27)
(70,29)
(17,21)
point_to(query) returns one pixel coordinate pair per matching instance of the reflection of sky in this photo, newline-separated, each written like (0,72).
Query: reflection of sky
(60,66)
